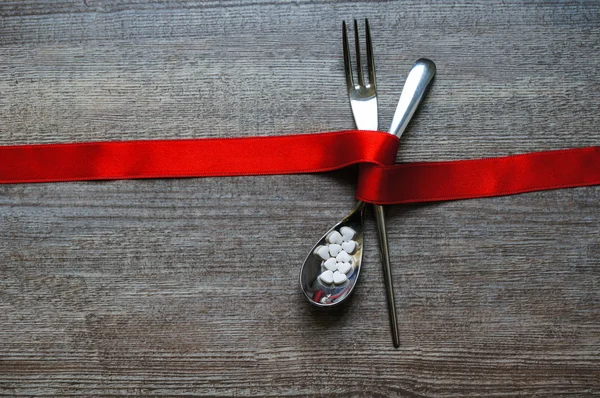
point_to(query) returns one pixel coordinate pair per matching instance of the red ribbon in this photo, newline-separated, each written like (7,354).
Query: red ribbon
(479,178)
(380,181)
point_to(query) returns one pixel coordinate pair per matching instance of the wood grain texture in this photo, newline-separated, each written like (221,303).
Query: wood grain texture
(189,286)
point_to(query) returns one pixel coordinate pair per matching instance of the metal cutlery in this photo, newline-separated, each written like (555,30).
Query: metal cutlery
(322,265)
(363,101)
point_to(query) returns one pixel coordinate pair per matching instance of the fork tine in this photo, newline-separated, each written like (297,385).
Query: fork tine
(370,59)
(361,79)
(347,64)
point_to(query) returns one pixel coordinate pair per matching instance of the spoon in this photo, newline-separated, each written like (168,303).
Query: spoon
(325,277)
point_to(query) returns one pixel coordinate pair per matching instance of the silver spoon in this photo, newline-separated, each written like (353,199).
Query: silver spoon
(315,281)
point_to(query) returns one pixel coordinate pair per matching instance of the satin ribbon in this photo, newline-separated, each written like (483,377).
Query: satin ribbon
(380,180)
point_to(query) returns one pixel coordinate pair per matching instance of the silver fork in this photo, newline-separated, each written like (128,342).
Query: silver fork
(363,101)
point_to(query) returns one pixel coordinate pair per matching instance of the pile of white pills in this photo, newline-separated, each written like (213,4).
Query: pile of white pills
(336,265)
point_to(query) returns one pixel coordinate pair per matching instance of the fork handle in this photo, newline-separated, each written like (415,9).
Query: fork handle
(387,272)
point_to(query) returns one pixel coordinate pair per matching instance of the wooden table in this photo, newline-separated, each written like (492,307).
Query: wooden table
(190,286)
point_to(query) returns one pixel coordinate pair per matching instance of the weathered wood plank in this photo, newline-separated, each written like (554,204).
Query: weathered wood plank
(173,287)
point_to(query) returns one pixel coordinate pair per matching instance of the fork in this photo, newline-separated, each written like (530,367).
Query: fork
(363,101)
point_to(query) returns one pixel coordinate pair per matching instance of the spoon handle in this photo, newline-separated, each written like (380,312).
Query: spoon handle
(417,82)
(414,89)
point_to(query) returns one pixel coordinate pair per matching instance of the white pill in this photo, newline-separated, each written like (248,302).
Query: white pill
(349,247)
(334,237)
(334,249)
(343,257)
(339,278)
(330,264)
(347,233)
(327,277)
(323,252)
(344,268)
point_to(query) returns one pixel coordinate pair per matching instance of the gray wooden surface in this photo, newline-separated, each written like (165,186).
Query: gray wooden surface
(190,286)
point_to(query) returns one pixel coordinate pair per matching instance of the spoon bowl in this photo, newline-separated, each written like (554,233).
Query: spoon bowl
(318,291)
